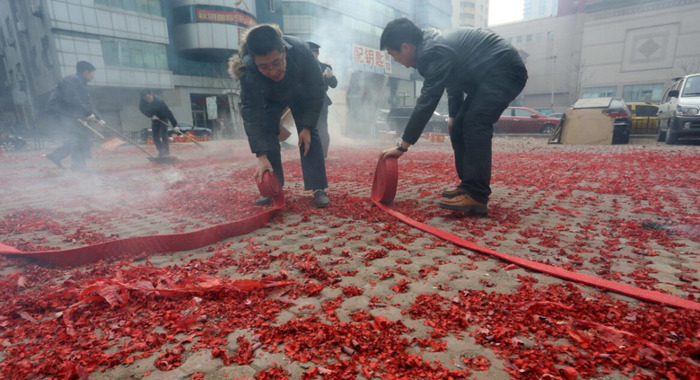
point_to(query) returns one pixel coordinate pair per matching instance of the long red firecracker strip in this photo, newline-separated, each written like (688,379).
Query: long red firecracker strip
(269,187)
(383,192)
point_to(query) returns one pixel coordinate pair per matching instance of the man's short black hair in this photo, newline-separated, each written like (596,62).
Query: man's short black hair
(83,66)
(263,39)
(145,92)
(399,31)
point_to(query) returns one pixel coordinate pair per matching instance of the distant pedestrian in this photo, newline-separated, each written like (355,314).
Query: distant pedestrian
(155,108)
(70,101)
(277,72)
(469,62)
(331,81)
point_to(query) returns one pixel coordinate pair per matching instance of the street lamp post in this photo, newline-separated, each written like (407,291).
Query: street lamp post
(553,58)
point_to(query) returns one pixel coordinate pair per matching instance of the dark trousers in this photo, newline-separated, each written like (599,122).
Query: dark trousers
(313,166)
(76,143)
(160,137)
(322,127)
(472,129)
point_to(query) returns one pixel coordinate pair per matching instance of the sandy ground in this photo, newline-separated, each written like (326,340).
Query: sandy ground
(125,195)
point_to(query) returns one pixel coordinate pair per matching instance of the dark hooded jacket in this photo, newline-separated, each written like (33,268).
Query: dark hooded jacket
(71,98)
(158,108)
(457,61)
(263,100)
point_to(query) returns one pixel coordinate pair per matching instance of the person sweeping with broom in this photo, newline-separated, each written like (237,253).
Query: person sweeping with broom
(68,102)
(155,108)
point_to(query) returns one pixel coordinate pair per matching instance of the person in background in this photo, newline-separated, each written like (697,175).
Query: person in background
(155,109)
(330,80)
(68,102)
(277,72)
(469,62)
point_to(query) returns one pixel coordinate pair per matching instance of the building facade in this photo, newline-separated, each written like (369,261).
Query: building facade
(472,13)
(628,49)
(539,8)
(349,32)
(180,49)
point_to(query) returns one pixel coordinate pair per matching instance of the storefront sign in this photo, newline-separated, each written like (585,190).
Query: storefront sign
(373,60)
(237,18)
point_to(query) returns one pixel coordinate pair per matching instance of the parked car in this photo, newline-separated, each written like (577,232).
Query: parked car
(679,111)
(10,143)
(146,133)
(525,120)
(398,117)
(644,119)
(557,115)
(590,118)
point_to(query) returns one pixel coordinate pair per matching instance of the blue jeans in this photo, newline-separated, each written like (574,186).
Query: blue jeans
(313,166)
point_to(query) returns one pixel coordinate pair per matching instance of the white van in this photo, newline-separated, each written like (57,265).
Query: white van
(679,111)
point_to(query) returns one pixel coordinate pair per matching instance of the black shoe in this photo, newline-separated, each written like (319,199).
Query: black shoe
(264,201)
(54,160)
(321,199)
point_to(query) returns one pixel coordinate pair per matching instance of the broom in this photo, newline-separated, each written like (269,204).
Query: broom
(182,134)
(130,141)
(106,143)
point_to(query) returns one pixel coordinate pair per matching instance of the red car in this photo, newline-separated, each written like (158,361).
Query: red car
(525,120)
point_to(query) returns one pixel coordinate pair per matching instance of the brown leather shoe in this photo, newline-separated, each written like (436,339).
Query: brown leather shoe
(452,193)
(464,202)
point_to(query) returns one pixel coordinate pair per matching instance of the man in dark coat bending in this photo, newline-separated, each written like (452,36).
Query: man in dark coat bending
(277,72)
(155,109)
(467,62)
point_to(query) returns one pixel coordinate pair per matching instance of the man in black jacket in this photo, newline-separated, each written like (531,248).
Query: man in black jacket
(472,62)
(70,101)
(155,108)
(331,81)
(276,72)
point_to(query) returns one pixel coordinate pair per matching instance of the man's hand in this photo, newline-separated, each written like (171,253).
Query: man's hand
(92,118)
(263,166)
(392,152)
(101,123)
(154,117)
(305,140)
(450,121)
(178,131)
(327,73)
(395,152)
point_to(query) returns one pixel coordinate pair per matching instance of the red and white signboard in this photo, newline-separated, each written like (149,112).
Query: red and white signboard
(371,59)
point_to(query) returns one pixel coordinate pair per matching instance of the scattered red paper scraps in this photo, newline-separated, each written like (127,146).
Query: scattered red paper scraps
(341,318)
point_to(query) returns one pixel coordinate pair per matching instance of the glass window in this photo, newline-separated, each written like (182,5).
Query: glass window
(646,110)
(151,7)
(599,92)
(692,86)
(522,113)
(507,112)
(129,53)
(651,92)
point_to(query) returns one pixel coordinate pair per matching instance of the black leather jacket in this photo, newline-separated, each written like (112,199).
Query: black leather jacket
(158,108)
(71,98)
(457,61)
(263,100)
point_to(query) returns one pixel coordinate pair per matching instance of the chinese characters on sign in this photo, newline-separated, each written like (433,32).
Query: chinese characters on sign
(238,18)
(369,59)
